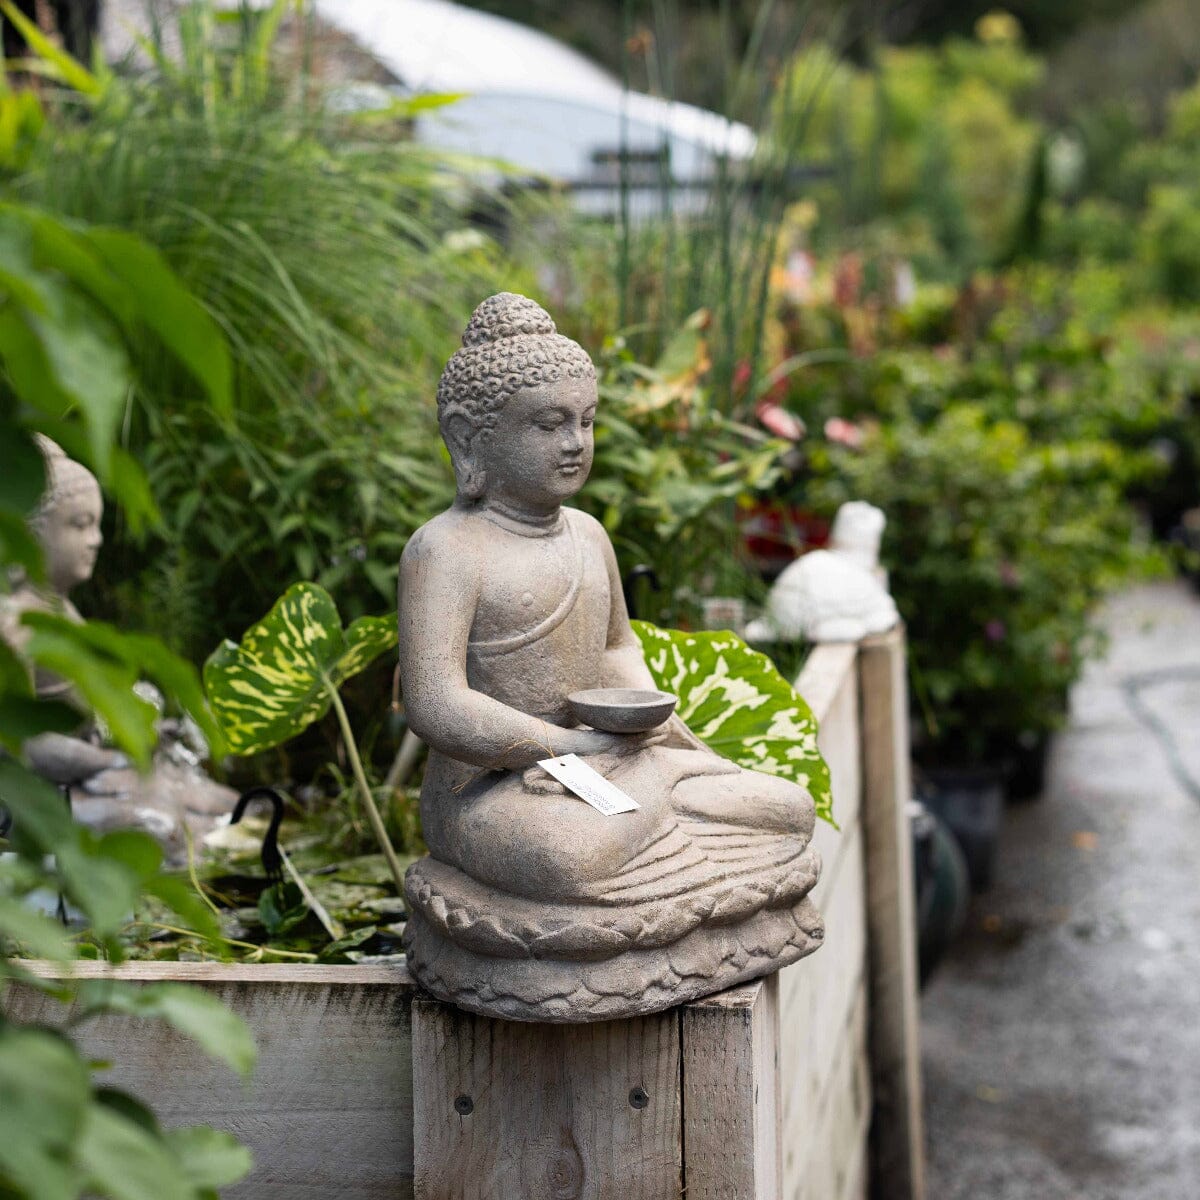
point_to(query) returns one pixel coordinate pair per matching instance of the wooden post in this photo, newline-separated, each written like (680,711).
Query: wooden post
(505,1110)
(897,1132)
(731,1094)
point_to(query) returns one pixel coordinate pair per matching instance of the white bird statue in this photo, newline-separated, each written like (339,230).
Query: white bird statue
(834,595)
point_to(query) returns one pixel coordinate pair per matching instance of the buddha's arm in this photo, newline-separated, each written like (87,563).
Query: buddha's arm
(439,592)
(64,759)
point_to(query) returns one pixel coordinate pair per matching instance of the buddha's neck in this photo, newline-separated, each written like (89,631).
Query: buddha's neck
(516,518)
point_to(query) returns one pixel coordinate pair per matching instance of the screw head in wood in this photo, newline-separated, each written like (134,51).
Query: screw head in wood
(464,1106)
(638,1097)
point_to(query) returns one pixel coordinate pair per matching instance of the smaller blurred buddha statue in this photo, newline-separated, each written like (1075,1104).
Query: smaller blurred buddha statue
(105,790)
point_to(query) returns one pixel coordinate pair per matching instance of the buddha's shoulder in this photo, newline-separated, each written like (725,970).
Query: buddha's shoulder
(447,539)
(585,525)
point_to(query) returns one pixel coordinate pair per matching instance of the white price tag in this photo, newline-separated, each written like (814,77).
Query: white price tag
(588,784)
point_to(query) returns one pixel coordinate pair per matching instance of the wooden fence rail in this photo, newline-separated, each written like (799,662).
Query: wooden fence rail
(801,1086)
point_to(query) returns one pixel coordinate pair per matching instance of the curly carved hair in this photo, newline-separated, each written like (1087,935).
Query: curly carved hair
(510,343)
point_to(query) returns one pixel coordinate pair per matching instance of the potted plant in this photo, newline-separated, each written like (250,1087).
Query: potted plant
(999,548)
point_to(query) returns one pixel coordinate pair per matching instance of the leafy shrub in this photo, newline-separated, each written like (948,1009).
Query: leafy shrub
(668,467)
(336,266)
(998,549)
(75,304)
(936,134)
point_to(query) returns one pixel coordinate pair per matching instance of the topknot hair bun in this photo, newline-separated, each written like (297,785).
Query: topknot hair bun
(507,315)
(64,476)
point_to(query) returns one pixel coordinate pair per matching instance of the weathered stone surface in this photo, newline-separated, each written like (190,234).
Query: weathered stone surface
(533,905)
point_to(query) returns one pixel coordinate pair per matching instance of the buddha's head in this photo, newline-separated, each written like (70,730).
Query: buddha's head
(516,406)
(67,522)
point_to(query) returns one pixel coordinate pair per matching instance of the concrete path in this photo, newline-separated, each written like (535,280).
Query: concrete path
(1062,1034)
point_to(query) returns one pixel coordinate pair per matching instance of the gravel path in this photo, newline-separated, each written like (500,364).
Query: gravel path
(1062,1033)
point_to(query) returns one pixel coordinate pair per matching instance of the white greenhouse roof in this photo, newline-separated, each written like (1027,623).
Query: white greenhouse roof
(529,99)
(436,46)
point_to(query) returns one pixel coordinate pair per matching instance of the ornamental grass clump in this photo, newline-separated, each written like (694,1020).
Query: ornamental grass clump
(336,264)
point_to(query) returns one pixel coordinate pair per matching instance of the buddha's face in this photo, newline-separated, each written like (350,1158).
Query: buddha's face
(70,535)
(540,452)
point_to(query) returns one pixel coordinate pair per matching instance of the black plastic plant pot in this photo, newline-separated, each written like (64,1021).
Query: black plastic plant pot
(970,802)
(942,886)
(1025,777)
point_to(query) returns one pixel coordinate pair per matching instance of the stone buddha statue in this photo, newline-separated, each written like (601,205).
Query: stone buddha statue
(532,905)
(105,791)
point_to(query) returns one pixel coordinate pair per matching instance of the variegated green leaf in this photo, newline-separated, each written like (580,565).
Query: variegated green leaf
(735,701)
(279,680)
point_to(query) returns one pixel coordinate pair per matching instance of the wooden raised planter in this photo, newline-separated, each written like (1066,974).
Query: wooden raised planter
(803,1085)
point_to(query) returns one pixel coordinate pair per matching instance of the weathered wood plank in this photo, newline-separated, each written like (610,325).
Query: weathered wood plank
(731,1094)
(328,1111)
(815,1000)
(218,972)
(824,674)
(820,996)
(509,1111)
(829,682)
(897,1133)
(833,1169)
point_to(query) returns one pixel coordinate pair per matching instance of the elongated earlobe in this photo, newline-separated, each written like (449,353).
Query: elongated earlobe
(471,480)
(460,437)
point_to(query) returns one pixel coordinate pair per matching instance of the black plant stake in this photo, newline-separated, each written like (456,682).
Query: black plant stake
(272,861)
(629,584)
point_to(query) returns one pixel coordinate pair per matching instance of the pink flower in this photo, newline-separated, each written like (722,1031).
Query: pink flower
(779,421)
(995,630)
(845,433)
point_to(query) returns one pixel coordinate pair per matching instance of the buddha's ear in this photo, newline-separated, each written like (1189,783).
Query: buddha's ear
(460,436)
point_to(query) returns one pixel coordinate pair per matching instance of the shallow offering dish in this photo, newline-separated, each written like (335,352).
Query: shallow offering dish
(623,710)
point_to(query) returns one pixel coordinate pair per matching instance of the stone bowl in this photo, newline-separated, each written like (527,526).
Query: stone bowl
(622,710)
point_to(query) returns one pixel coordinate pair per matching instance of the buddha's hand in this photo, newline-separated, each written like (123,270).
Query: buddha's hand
(593,744)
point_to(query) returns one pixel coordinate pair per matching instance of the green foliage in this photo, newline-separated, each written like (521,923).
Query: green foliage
(103,664)
(932,136)
(332,254)
(737,703)
(71,324)
(285,675)
(998,549)
(668,467)
(69,321)
(282,675)
(1170,241)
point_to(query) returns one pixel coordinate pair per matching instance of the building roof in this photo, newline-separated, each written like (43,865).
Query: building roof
(510,71)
